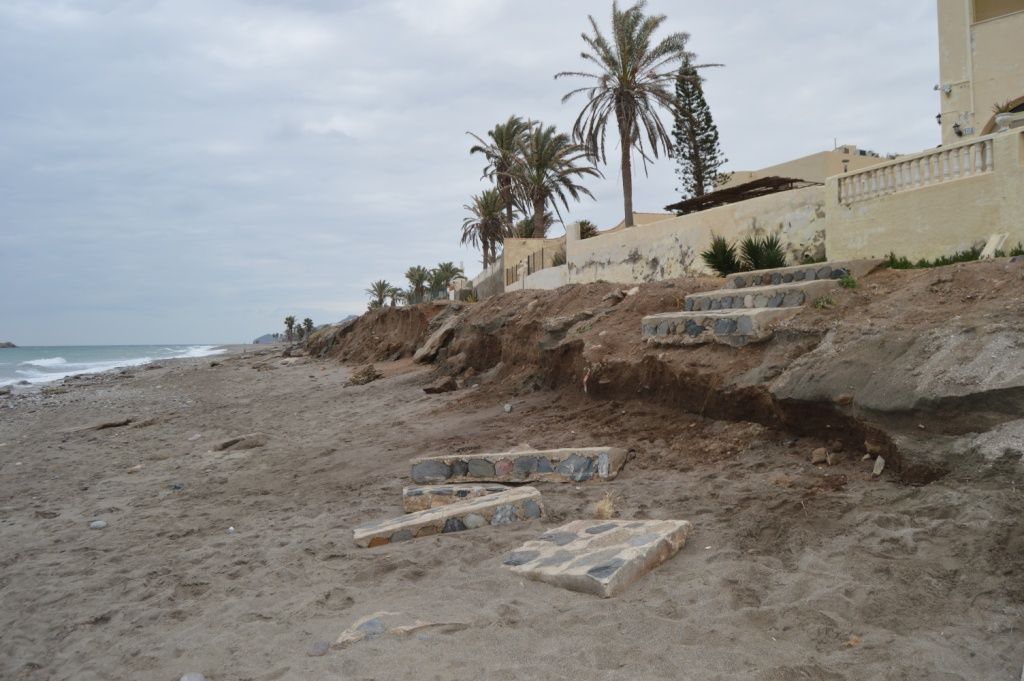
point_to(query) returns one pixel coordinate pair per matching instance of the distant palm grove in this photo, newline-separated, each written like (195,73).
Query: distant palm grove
(535,172)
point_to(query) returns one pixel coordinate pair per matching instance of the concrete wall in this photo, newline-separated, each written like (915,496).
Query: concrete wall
(671,248)
(813,168)
(547,279)
(932,214)
(980,62)
(490,282)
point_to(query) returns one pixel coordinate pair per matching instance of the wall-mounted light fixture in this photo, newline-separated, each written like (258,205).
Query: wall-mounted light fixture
(846,165)
(938,118)
(957,130)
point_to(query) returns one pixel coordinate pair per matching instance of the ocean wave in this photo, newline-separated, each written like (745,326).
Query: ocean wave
(50,369)
(46,362)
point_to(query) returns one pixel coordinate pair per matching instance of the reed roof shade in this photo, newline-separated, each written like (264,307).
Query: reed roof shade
(741,192)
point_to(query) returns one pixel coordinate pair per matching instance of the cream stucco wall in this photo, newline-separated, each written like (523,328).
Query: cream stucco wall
(935,218)
(981,62)
(671,248)
(548,279)
(813,168)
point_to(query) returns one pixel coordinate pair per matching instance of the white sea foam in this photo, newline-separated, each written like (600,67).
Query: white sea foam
(46,362)
(48,369)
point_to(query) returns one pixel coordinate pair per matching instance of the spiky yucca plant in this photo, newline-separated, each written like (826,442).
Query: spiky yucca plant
(721,256)
(762,254)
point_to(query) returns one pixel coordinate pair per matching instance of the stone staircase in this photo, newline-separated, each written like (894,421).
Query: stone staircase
(751,304)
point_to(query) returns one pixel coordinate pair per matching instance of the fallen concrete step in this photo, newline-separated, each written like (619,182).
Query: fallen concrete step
(551,465)
(780,295)
(729,327)
(419,498)
(798,273)
(502,508)
(600,557)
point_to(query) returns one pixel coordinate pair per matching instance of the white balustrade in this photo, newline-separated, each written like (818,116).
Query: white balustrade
(920,170)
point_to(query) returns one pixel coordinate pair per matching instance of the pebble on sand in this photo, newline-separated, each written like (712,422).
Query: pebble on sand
(97,525)
(192,676)
(508,408)
(318,649)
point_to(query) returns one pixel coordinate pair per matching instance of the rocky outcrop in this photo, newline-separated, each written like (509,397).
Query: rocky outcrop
(7,344)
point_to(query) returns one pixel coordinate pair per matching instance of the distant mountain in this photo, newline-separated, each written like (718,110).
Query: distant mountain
(268,338)
(7,344)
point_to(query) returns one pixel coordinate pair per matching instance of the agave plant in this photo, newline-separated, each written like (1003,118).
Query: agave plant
(721,256)
(762,254)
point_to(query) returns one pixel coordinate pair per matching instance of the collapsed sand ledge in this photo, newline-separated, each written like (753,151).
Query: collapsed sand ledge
(915,366)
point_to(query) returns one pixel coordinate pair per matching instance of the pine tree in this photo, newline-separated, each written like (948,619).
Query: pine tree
(696,148)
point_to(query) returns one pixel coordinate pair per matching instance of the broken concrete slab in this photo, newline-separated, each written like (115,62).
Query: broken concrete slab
(572,464)
(600,557)
(502,508)
(250,441)
(729,327)
(437,340)
(420,498)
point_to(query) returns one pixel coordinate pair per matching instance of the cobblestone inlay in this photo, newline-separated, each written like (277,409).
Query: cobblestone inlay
(551,465)
(600,557)
(422,497)
(500,508)
(729,327)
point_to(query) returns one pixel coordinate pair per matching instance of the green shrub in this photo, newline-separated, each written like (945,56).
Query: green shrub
(902,263)
(824,302)
(762,254)
(721,256)
(1017,250)
(558,259)
(848,281)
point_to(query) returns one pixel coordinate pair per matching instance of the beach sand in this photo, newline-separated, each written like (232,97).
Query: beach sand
(794,572)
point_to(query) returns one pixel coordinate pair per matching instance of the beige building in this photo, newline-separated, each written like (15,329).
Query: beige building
(812,168)
(981,64)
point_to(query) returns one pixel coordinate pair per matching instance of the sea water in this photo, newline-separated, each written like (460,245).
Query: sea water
(51,363)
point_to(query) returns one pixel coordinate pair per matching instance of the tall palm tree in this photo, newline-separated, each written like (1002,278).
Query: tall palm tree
(633,79)
(448,272)
(501,149)
(307,324)
(524,228)
(289,325)
(378,292)
(546,173)
(418,277)
(485,225)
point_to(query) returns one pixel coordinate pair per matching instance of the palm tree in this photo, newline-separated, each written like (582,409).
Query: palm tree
(300,333)
(587,229)
(525,227)
(501,151)
(546,171)
(418,277)
(448,272)
(307,324)
(633,79)
(289,324)
(485,225)
(378,291)
(396,295)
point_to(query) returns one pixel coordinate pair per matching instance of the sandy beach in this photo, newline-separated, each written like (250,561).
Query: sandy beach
(794,572)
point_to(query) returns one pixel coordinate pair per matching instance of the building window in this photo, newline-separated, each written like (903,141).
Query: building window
(992,9)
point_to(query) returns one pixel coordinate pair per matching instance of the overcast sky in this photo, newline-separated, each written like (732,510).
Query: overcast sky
(193,170)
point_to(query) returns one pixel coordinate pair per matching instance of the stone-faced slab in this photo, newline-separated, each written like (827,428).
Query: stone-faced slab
(419,498)
(780,294)
(811,272)
(499,508)
(600,557)
(573,464)
(734,327)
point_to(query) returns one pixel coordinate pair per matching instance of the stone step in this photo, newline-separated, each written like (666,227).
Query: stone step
(798,273)
(419,498)
(780,295)
(574,464)
(502,508)
(729,327)
(600,557)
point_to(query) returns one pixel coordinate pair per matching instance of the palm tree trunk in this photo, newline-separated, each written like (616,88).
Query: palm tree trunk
(627,171)
(484,246)
(539,228)
(506,196)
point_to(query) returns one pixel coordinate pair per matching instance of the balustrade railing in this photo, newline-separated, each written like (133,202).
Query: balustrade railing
(920,170)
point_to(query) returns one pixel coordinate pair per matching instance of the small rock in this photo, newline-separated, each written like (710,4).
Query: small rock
(819,455)
(97,525)
(508,408)
(136,468)
(194,436)
(879,467)
(444,385)
(192,676)
(231,530)
(633,291)
(178,486)
(214,364)
(318,649)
